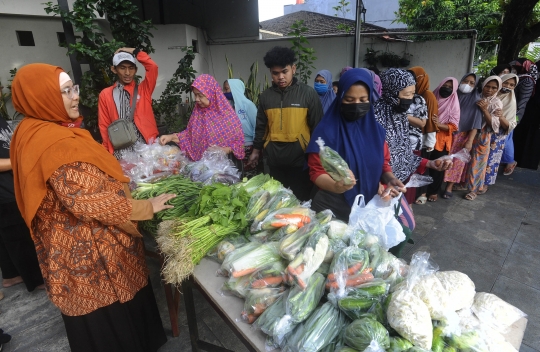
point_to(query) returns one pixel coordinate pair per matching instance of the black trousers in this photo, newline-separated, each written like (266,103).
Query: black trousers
(336,202)
(17,251)
(438,176)
(295,178)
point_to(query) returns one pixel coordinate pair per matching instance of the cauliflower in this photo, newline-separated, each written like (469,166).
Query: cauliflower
(460,289)
(493,311)
(410,317)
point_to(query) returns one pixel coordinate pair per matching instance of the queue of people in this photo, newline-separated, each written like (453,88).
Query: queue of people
(77,223)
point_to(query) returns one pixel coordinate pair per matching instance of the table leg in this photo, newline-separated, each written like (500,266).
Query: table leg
(187,290)
(172,298)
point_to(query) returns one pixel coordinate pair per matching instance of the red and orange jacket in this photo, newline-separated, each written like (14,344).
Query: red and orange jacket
(144,115)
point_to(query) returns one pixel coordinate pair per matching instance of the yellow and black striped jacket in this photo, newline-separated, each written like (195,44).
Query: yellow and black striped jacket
(285,120)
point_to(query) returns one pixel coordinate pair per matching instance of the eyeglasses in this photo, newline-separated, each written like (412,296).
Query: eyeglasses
(70,91)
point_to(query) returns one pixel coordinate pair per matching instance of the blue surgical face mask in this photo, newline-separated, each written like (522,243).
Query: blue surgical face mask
(321,88)
(228,96)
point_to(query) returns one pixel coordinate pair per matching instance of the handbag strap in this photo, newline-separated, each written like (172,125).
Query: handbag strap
(133,103)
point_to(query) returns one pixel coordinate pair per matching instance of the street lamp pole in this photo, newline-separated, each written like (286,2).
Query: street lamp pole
(360,9)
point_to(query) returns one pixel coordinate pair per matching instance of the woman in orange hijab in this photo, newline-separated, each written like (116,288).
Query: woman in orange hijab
(72,195)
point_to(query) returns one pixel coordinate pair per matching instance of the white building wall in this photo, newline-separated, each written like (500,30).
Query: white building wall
(378,12)
(334,53)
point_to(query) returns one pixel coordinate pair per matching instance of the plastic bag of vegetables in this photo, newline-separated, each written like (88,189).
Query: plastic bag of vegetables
(349,269)
(282,198)
(270,275)
(386,266)
(300,304)
(255,259)
(460,289)
(227,246)
(308,260)
(290,245)
(298,216)
(237,286)
(408,314)
(495,312)
(225,268)
(334,164)
(272,315)
(257,301)
(337,230)
(399,344)
(366,332)
(319,330)
(361,299)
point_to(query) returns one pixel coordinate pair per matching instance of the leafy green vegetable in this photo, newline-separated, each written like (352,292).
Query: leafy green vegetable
(334,164)
(361,332)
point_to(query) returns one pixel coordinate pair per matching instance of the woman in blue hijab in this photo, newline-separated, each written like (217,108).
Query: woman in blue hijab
(234,91)
(323,86)
(349,127)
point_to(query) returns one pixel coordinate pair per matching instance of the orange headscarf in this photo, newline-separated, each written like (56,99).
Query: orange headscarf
(422,88)
(40,145)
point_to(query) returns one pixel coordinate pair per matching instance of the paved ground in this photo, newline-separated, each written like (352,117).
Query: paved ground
(495,240)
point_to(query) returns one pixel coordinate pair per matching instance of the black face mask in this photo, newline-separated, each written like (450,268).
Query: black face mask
(505,90)
(353,112)
(445,92)
(404,105)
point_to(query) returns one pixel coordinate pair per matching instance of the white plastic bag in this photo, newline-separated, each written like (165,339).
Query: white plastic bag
(378,218)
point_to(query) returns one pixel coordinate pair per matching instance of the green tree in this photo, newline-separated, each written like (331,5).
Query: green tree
(446,15)
(94,48)
(303,51)
(519,27)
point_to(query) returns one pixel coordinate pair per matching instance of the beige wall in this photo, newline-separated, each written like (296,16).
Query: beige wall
(439,58)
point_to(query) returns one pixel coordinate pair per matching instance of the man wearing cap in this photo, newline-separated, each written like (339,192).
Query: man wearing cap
(115,101)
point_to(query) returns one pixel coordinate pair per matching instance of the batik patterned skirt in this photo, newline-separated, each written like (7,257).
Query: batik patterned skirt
(457,172)
(476,173)
(496,151)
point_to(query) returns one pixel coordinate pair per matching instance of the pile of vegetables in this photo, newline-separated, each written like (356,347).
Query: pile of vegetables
(312,283)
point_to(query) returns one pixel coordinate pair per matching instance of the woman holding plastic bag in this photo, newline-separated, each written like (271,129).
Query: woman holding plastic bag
(349,127)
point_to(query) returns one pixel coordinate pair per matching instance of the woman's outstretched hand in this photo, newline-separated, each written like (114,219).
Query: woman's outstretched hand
(158,203)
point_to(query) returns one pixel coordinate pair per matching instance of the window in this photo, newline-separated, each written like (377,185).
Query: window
(25,38)
(195,45)
(61,39)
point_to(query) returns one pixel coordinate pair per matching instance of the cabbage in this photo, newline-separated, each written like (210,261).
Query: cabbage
(362,332)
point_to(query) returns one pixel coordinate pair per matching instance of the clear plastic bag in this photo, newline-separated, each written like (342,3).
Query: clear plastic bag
(460,289)
(213,167)
(308,260)
(300,304)
(236,286)
(256,259)
(378,218)
(271,275)
(348,269)
(257,301)
(290,245)
(225,268)
(219,252)
(386,266)
(367,335)
(298,216)
(463,155)
(495,312)
(319,330)
(334,164)
(417,180)
(272,315)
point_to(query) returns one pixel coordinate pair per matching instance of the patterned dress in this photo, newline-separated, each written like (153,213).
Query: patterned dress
(419,110)
(496,152)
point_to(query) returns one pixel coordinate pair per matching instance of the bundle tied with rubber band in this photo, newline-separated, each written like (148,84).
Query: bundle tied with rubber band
(334,164)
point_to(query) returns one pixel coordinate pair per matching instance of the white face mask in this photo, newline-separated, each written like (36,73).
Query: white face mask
(465,88)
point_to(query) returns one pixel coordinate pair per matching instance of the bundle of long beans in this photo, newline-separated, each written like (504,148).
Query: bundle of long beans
(186,192)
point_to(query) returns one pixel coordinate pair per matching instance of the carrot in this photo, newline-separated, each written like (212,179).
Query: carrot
(251,318)
(267,281)
(289,216)
(258,309)
(353,269)
(352,281)
(244,272)
(300,283)
(279,223)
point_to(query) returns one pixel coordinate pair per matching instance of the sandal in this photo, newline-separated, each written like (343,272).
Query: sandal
(459,187)
(431,199)
(421,200)
(482,190)
(510,168)
(470,196)
(447,195)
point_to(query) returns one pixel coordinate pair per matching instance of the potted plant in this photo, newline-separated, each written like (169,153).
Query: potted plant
(405,60)
(389,59)
(371,57)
